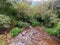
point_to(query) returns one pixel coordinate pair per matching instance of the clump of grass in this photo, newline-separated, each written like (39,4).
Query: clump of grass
(2,42)
(15,31)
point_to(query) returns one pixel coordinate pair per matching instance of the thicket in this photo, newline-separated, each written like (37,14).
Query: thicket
(23,14)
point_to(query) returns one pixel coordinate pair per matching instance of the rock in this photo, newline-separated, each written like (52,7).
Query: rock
(33,37)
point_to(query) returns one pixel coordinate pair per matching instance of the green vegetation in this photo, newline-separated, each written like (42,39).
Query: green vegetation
(2,42)
(35,23)
(53,31)
(14,14)
(15,31)
(5,21)
(21,24)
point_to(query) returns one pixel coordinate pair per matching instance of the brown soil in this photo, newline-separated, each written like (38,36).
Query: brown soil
(34,36)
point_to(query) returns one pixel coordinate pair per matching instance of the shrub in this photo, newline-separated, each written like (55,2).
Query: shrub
(24,11)
(53,31)
(35,23)
(15,31)
(21,24)
(46,16)
(5,21)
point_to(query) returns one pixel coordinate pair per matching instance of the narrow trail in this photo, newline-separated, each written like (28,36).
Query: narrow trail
(34,36)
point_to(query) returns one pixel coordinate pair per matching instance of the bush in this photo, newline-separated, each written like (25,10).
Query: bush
(21,24)
(24,11)
(5,21)
(53,31)
(46,16)
(15,31)
(35,23)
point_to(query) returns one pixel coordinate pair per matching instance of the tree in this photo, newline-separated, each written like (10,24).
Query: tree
(27,1)
(23,11)
(55,4)
(45,15)
(6,8)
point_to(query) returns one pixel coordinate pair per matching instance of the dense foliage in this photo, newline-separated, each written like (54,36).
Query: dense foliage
(24,14)
(53,31)
(5,21)
(21,24)
(15,31)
